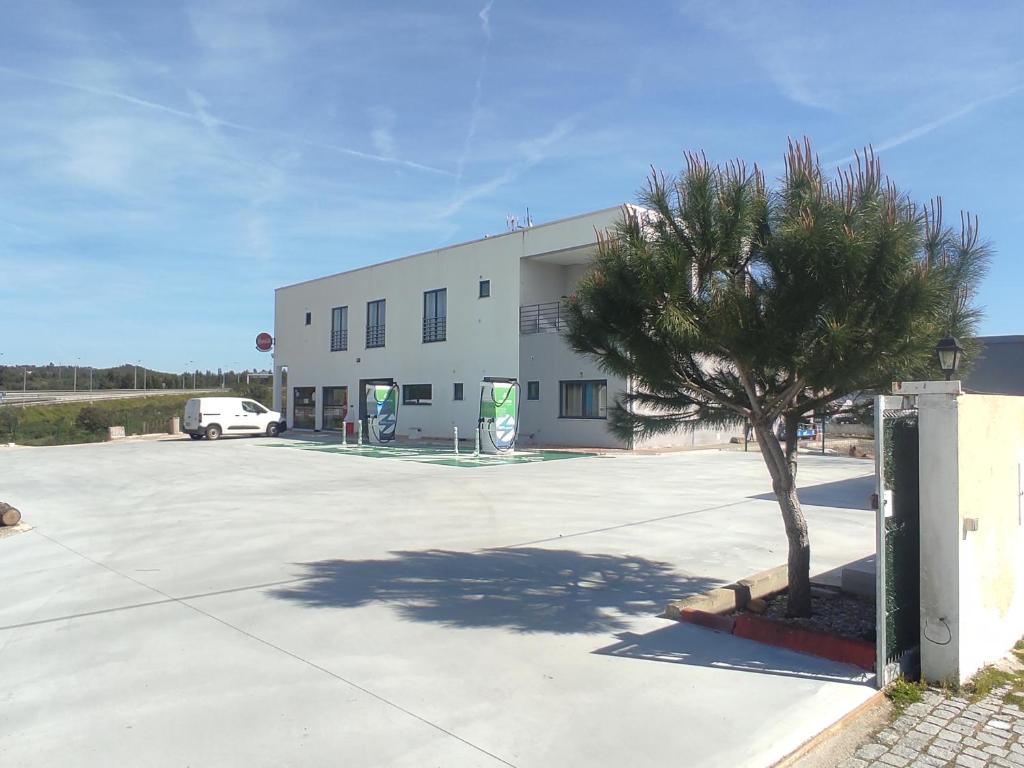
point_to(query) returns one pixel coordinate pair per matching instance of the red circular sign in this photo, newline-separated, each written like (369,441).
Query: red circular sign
(264,342)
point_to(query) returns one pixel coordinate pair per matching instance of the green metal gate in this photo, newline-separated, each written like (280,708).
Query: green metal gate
(898,538)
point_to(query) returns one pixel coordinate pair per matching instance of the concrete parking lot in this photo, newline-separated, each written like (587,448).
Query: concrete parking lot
(232,603)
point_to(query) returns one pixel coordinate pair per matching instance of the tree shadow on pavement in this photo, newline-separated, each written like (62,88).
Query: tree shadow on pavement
(523,589)
(851,493)
(699,647)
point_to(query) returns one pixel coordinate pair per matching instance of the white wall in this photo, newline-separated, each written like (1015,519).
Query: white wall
(540,282)
(482,334)
(972,582)
(545,357)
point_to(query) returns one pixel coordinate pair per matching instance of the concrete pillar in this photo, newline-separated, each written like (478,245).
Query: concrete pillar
(972,530)
(277,389)
(318,412)
(940,539)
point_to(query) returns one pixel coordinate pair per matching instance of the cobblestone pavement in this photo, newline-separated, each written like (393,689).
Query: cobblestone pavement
(941,732)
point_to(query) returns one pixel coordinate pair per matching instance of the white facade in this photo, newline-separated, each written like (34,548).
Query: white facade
(513,332)
(971,477)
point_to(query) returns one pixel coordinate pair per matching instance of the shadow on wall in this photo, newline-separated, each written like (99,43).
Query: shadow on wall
(698,647)
(852,493)
(526,590)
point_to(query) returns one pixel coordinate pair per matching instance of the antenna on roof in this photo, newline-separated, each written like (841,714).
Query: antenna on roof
(512,222)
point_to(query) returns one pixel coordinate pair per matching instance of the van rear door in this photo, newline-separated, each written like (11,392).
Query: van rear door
(193,414)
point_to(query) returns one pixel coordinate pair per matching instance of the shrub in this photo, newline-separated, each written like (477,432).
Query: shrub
(92,419)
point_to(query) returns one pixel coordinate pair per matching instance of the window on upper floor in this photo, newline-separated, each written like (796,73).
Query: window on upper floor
(485,289)
(457,391)
(339,329)
(533,390)
(435,315)
(375,317)
(309,318)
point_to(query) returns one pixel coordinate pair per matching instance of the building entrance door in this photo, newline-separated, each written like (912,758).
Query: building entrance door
(304,408)
(335,408)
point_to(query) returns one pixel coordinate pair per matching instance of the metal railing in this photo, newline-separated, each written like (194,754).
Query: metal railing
(541,318)
(43,396)
(339,341)
(435,329)
(375,336)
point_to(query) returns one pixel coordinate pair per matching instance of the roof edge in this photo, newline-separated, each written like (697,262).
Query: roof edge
(458,245)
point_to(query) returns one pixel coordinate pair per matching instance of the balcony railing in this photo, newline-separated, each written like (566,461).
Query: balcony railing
(434,329)
(375,335)
(541,318)
(339,341)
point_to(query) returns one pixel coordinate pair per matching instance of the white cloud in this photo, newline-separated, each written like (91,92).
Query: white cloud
(532,152)
(476,110)
(931,125)
(485,19)
(847,59)
(200,104)
(208,120)
(382,135)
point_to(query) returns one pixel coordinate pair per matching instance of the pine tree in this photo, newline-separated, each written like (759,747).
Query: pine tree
(728,303)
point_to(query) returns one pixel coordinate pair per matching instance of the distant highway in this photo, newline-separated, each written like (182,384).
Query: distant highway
(49,397)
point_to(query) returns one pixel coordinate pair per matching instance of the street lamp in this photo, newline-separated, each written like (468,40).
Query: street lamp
(74,386)
(24,378)
(948,351)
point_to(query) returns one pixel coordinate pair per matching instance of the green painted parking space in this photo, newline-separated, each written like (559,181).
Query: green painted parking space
(431,454)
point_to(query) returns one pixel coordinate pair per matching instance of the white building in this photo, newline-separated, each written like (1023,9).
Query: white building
(436,323)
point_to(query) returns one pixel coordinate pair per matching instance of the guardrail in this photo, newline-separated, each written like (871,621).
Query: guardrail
(44,397)
(541,318)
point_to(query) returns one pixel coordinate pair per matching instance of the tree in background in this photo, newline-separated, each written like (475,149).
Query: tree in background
(51,376)
(727,303)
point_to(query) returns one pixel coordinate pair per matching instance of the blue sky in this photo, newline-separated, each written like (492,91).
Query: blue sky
(165,165)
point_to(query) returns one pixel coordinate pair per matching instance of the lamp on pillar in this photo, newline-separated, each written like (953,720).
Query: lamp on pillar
(948,350)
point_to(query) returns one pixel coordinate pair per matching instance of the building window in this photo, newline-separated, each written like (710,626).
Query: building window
(583,400)
(416,394)
(457,391)
(309,318)
(435,315)
(533,390)
(485,289)
(339,329)
(375,315)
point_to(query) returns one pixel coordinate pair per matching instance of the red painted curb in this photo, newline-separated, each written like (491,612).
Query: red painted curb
(763,630)
(709,620)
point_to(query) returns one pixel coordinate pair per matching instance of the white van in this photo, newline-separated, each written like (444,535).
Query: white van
(211,417)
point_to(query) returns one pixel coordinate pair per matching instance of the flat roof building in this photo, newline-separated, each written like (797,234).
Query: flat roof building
(438,322)
(999,369)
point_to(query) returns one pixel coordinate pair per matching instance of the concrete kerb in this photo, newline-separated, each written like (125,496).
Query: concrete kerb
(719,608)
(818,741)
(733,597)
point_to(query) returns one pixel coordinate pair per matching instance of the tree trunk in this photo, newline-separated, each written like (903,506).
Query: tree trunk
(782,468)
(9,515)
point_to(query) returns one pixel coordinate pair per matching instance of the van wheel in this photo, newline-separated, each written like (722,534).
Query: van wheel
(272,430)
(194,436)
(213,432)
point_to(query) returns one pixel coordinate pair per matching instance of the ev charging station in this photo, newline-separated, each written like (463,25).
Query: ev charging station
(382,412)
(498,422)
